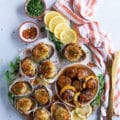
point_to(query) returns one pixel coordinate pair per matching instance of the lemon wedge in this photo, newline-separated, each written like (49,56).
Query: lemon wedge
(84,112)
(55,21)
(74,116)
(59,28)
(49,15)
(68,36)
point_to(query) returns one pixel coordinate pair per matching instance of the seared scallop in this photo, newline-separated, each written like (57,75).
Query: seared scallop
(92,84)
(20,88)
(42,114)
(63,81)
(42,96)
(28,67)
(25,105)
(59,111)
(48,69)
(85,96)
(73,52)
(77,84)
(71,72)
(83,73)
(42,51)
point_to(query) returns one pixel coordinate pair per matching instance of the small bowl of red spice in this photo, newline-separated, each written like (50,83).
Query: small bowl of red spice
(29,31)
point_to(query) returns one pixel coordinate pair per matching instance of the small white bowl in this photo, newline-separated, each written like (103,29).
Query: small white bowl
(27,25)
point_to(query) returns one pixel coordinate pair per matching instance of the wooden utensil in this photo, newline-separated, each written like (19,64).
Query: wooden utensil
(111,92)
(112,71)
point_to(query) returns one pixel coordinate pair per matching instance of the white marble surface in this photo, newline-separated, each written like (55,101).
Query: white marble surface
(12,15)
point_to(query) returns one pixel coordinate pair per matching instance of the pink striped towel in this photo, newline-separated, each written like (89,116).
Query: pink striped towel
(80,12)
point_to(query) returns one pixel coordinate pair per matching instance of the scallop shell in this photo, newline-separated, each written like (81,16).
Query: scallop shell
(23,74)
(29,87)
(33,107)
(56,88)
(52,109)
(40,114)
(49,93)
(51,51)
(83,60)
(52,79)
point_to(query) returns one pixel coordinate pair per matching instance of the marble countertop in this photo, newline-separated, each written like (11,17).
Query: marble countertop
(12,15)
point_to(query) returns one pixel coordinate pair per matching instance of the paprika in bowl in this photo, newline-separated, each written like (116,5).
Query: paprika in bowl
(29,31)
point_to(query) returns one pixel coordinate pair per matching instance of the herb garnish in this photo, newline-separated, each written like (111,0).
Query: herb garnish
(11,75)
(35,7)
(11,96)
(97,100)
(42,29)
(58,44)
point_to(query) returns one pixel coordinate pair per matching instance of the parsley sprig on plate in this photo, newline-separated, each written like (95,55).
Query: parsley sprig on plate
(11,74)
(57,43)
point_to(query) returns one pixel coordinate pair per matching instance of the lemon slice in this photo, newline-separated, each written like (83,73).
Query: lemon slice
(84,112)
(49,15)
(55,21)
(74,116)
(68,36)
(67,87)
(59,28)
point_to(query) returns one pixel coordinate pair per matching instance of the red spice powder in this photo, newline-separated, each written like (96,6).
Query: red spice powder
(29,33)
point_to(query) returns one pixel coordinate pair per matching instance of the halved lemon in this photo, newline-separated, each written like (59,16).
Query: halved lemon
(74,116)
(68,36)
(55,21)
(84,112)
(59,28)
(49,15)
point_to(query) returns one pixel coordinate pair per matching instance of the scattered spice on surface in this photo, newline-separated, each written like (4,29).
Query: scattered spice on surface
(91,64)
(29,33)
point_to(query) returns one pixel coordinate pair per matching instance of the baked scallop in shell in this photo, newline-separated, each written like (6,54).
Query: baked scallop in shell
(60,111)
(42,95)
(48,69)
(25,105)
(42,51)
(20,88)
(28,68)
(42,114)
(72,52)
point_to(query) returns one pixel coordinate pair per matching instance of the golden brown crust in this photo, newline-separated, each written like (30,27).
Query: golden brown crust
(41,51)
(73,52)
(42,96)
(28,67)
(61,113)
(48,69)
(19,88)
(42,114)
(24,104)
